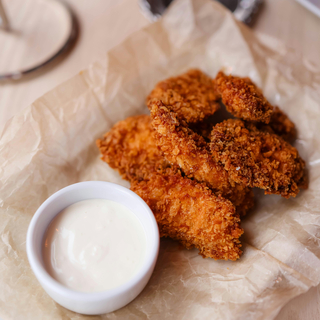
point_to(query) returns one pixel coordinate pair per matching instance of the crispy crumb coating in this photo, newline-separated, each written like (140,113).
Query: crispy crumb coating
(190,213)
(184,148)
(130,148)
(181,146)
(243,199)
(304,180)
(203,129)
(257,159)
(242,98)
(281,125)
(191,95)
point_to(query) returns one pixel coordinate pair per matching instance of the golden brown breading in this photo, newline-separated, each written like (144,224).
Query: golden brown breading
(242,98)
(257,159)
(190,213)
(303,183)
(184,148)
(181,146)
(280,124)
(243,200)
(130,148)
(191,95)
(203,128)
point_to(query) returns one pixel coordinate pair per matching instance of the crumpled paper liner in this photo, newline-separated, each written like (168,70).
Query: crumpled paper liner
(51,144)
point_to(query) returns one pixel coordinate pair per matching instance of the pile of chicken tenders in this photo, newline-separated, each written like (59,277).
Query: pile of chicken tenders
(197,174)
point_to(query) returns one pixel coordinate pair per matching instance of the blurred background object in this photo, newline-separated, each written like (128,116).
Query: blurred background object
(312,5)
(33,33)
(4,22)
(244,10)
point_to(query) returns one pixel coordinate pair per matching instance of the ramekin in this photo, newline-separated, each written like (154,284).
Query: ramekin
(97,302)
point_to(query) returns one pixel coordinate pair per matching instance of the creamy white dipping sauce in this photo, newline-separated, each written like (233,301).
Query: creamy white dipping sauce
(94,245)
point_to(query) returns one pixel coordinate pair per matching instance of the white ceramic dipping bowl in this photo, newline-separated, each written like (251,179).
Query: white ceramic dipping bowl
(96,302)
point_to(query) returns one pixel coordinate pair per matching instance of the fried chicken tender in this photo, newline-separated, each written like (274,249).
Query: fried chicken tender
(181,146)
(257,159)
(130,148)
(280,124)
(243,98)
(186,149)
(191,95)
(190,213)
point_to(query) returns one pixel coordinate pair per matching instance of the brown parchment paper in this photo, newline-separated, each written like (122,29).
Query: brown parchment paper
(51,144)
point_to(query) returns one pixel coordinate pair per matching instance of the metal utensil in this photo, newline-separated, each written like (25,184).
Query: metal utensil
(244,10)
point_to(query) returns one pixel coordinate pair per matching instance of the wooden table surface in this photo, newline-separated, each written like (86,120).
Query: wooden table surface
(105,23)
